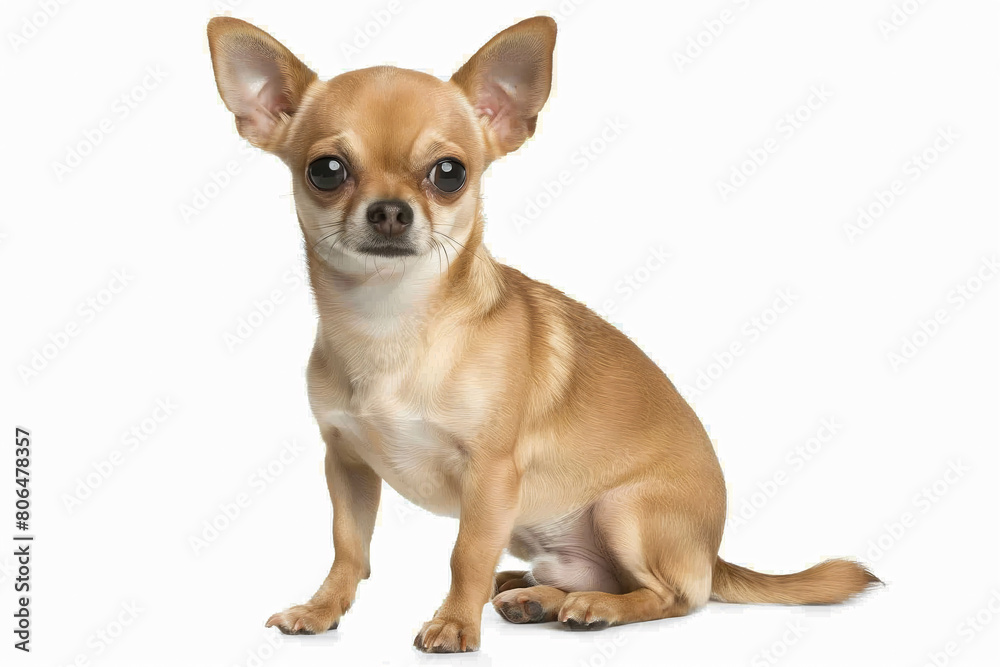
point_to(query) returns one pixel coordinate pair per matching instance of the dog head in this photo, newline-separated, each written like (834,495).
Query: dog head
(385,162)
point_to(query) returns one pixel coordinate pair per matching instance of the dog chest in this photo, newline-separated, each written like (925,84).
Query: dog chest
(415,456)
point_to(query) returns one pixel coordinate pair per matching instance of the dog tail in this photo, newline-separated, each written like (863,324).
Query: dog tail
(829,582)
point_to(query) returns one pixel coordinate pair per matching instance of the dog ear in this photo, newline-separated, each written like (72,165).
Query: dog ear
(259,80)
(508,81)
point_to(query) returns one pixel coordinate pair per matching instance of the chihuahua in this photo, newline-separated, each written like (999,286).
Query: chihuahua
(472,390)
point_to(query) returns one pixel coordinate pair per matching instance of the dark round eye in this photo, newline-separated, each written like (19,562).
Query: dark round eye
(327,173)
(448,175)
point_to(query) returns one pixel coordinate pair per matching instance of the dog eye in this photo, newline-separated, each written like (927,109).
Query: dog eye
(327,173)
(448,175)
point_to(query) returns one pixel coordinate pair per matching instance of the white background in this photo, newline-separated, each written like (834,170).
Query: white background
(192,277)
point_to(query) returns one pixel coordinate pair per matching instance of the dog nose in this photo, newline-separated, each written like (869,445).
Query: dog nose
(390,217)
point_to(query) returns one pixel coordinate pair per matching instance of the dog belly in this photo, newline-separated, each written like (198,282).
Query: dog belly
(564,554)
(413,456)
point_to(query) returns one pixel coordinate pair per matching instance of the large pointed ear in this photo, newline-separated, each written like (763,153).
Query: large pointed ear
(260,80)
(508,81)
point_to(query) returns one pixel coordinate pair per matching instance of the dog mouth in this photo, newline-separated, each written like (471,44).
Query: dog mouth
(387,248)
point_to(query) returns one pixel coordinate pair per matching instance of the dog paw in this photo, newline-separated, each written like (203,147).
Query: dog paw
(504,581)
(305,619)
(518,605)
(446,635)
(584,611)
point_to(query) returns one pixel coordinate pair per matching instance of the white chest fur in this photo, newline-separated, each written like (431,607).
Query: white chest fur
(381,347)
(415,456)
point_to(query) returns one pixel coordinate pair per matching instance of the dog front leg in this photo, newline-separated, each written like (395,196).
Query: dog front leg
(354,491)
(489,507)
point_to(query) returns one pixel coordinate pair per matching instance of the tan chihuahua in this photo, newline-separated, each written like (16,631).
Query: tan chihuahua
(473,390)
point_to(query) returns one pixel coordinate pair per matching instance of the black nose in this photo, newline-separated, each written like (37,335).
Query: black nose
(390,217)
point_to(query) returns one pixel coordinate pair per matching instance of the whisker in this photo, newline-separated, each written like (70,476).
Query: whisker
(326,236)
(366,272)
(437,250)
(333,245)
(454,241)
(447,259)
